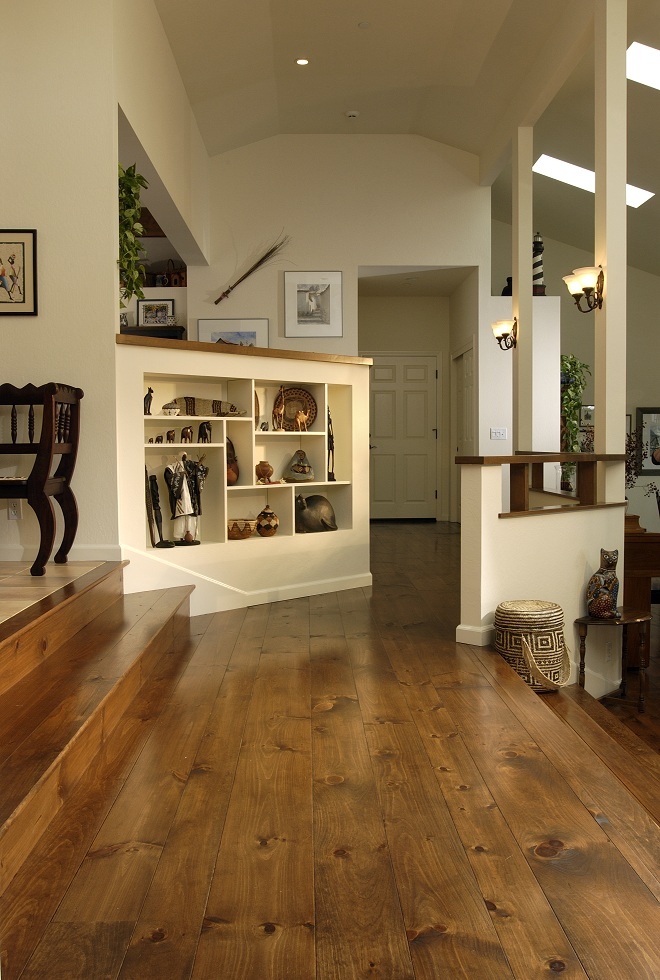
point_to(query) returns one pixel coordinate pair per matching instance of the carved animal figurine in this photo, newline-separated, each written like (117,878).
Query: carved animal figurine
(301,419)
(204,432)
(278,411)
(603,588)
(148,398)
(169,435)
(158,439)
(187,434)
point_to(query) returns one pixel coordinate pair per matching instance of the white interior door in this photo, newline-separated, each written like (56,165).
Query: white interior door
(404,429)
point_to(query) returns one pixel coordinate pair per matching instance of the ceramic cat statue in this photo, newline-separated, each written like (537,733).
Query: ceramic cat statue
(603,588)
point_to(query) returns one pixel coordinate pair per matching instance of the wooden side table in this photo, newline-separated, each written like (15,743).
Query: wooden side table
(628,617)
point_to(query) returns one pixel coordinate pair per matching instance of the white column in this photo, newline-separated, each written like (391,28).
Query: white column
(523,412)
(610,233)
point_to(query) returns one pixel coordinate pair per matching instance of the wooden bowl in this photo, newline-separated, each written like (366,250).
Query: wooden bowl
(239,528)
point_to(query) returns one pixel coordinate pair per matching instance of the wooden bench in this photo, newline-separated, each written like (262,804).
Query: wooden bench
(58,436)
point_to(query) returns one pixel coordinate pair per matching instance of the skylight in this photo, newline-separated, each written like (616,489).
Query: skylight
(569,173)
(643,64)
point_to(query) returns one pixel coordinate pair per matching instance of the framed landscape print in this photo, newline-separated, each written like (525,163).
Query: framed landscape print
(648,423)
(18,272)
(312,304)
(154,312)
(239,333)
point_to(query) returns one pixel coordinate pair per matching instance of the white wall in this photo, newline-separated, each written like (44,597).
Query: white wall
(346,201)
(59,163)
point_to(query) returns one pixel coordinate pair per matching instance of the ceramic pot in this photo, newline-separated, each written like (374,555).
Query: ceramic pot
(264,471)
(267,522)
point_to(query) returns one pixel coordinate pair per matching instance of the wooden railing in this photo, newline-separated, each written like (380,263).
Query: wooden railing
(526,472)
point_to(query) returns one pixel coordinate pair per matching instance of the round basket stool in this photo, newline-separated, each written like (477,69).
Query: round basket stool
(529,634)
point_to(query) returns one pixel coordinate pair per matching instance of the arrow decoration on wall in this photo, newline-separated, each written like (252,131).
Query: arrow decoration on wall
(266,257)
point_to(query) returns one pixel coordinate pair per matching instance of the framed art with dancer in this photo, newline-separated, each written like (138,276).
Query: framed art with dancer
(18,272)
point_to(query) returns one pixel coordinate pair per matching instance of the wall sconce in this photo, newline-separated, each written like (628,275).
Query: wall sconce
(588,283)
(506,333)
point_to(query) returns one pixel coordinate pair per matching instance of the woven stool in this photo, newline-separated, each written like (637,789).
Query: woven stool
(529,635)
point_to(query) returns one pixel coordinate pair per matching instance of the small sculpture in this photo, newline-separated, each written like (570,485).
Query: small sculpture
(204,432)
(299,469)
(187,434)
(314,513)
(331,449)
(603,588)
(301,419)
(148,398)
(278,411)
(264,426)
(158,439)
(170,435)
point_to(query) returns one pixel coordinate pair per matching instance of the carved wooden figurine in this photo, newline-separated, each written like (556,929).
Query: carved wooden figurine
(603,588)
(169,435)
(204,432)
(148,398)
(187,434)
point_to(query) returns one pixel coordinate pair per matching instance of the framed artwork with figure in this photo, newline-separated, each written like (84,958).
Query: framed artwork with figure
(648,424)
(312,304)
(18,272)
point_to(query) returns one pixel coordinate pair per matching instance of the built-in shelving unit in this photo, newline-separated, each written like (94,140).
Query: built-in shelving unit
(229,573)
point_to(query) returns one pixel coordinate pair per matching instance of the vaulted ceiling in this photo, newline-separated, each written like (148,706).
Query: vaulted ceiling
(463,73)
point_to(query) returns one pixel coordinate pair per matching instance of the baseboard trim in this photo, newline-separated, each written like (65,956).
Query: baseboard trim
(476,636)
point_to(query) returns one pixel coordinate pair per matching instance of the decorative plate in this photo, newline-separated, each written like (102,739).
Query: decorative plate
(294,401)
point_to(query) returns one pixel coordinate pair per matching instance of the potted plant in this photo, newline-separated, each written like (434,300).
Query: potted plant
(131,270)
(573,382)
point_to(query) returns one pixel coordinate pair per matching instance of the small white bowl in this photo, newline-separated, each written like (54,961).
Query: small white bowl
(171,411)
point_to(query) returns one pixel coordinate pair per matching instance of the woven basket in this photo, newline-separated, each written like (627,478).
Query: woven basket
(529,635)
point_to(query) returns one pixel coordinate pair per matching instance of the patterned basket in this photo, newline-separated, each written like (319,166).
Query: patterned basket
(529,635)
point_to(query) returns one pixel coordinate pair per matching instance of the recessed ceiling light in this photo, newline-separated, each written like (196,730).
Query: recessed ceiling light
(569,173)
(302,61)
(643,64)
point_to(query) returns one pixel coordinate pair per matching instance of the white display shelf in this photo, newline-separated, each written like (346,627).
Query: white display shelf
(288,563)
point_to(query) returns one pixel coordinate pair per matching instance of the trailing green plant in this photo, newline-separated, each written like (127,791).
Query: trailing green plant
(573,382)
(131,270)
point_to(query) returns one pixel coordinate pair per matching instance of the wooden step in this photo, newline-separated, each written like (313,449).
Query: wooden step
(27,638)
(56,720)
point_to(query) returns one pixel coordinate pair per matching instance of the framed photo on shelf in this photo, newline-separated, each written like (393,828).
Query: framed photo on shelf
(586,416)
(238,333)
(312,304)
(648,423)
(18,272)
(154,312)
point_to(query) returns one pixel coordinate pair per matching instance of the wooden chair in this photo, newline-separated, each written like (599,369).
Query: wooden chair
(60,427)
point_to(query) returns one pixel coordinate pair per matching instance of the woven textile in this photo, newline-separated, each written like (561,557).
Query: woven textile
(529,635)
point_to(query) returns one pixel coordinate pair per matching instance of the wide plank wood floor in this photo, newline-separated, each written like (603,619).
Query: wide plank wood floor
(335,789)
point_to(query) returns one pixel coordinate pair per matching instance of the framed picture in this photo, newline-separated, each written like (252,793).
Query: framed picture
(18,272)
(238,333)
(312,304)
(648,423)
(586,416)
(154,312)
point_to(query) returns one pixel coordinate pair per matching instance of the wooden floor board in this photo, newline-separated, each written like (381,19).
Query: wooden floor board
(334,789)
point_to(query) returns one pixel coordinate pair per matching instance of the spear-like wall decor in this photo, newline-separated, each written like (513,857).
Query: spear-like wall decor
(266,257)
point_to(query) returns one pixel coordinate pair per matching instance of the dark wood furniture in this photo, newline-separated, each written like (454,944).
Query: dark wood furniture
(629,617)
(43,422)
(641,563)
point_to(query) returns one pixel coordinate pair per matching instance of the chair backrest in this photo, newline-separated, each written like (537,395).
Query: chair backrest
(59,427)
